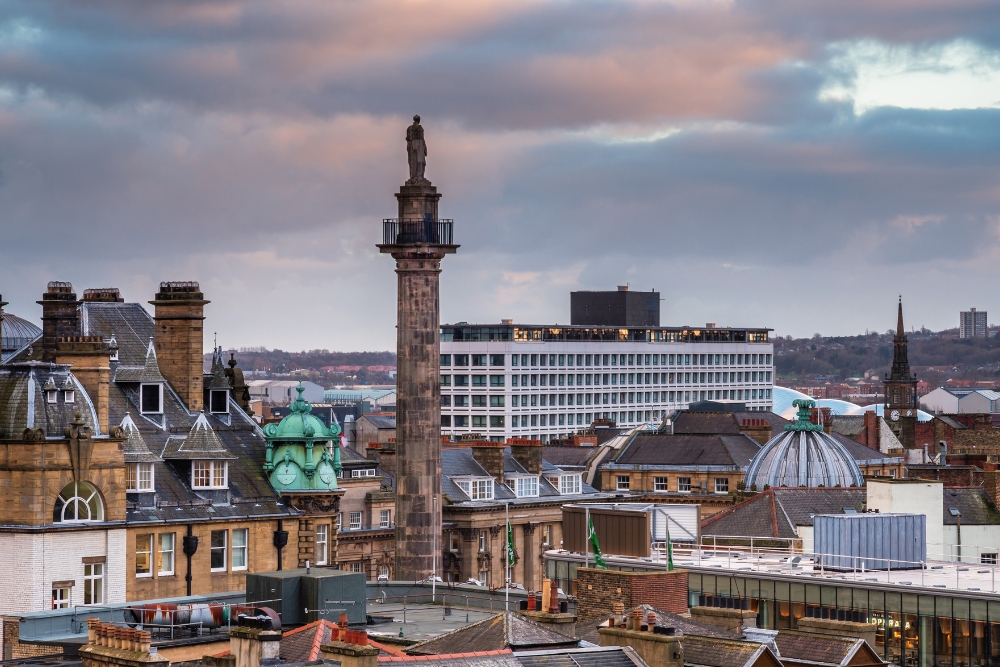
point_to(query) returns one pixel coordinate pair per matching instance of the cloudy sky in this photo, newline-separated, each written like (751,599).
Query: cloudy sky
(765,163)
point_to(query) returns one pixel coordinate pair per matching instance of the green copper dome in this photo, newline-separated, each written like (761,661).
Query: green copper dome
(290,459)
(300,425)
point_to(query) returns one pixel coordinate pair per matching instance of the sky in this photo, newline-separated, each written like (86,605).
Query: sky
(795,165)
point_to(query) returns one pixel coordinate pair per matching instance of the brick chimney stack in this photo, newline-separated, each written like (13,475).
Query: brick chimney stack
(528,453)
(490,456)
(179,341)
(60,317)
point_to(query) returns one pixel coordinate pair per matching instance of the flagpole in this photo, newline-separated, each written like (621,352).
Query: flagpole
(586,541)
(506,555)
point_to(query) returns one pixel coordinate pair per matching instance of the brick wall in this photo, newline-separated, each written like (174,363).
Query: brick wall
(13,648)
(598,590)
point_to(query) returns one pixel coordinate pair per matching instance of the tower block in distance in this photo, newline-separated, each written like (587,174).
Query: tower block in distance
(418,240)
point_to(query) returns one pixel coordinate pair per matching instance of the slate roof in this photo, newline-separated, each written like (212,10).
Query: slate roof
(381,422)
(597,656)
(863,454)
(131,325)
(568,457)
(776,512)
(823,649)
(650,449)
(589,628)
(136,449)
(505,630)
(849,425)
(975,505)
(716,652)
(149,371)
(690,422)
(459,462)
(23,402)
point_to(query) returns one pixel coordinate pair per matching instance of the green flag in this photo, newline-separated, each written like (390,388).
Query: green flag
(510,544)
(670,551)
(598,558)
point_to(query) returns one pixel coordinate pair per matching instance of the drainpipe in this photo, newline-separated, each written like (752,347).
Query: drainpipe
(190,547)
(280,540)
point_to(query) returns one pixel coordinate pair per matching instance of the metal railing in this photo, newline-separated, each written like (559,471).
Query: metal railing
(415,231)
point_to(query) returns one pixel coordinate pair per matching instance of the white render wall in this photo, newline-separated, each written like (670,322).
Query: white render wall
(913,497)
(35,560)
(678,385)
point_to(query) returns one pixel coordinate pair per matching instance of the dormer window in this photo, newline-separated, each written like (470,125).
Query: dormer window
(569,484)
(114,354)
(69,396)
(525,486)
(477,488)
(218,401)
(210,475)
(139,477)
(151,398)
(51,396)
(363,472)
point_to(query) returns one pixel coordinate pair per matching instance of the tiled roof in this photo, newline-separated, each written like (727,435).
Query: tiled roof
(975,505)
(202,442)
(823,649)
(589,629)
(689,450)
(716,652)
(136,449)
(502,658)
(505,630)
(23,403)
(597,656)
(775,512)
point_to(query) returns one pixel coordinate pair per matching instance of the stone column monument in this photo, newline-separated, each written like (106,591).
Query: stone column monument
(418,240)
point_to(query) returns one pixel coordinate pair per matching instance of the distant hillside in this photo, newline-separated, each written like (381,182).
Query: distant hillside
(310,364)
(935,356)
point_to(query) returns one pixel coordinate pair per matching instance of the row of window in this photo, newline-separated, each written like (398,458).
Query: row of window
(93,588)
(229,550)
(607,379)
(151,399)
(624,483)
(523,486)
(205,475)
(497,360)
(542,400)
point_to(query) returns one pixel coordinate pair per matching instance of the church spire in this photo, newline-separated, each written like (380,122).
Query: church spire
(900,358)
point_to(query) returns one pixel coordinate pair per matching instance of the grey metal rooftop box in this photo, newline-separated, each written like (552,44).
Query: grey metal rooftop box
(327,593)
(870,541)
(279,591)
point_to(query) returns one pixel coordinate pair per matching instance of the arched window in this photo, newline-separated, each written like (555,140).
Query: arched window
(79,501)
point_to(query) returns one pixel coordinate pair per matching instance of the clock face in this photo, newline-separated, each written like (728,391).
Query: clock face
(285,474)
(894,415)
(326,473)
(909,413)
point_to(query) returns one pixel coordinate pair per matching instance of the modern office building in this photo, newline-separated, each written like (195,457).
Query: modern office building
(972,323)
(545,382)
(620,308)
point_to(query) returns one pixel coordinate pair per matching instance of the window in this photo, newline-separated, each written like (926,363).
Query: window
(384,518)
(322,539)
(660,484)
(219,541)
(240,539)
(482,541)
(165,556)
(722,485)
(461,380)
(461,401)
(209,474)
(496,360)
(445,380)
(219,401)
(496,401)
(496,422)
(479,360)
(479,401)
(93,583)
(546,535)
(355,520)
(461,420)
(446,360)
(69,396)
(477,489)
(446,421)
(569,484)
(144,555)
(496,380)
(526,487)
(151,398)
(478,380)
(684,484)
(356,566)
(622,482)
(78,501)
(139,477)
(363,472)
(479,421)
(383,571)
(988,559)
(60,597)
(51,396)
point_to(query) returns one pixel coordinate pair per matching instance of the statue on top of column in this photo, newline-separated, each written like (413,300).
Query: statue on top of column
(416,153)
